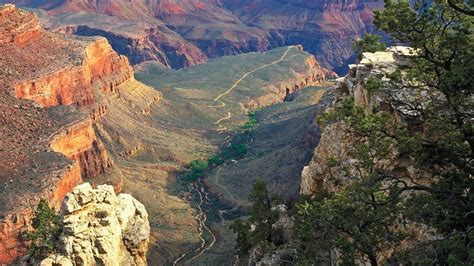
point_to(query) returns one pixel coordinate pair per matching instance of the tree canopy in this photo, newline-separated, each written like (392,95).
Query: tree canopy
(371,219)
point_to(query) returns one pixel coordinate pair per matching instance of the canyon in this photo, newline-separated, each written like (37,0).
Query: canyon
(73,110)
(48,142)
(180,33)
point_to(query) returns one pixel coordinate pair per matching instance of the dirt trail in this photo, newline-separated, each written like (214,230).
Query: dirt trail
(201,217)
(238,202)
(222,104)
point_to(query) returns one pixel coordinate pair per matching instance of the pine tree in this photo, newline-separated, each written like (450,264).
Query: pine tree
(46,231)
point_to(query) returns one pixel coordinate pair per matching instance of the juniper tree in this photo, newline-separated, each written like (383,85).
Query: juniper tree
(361,218)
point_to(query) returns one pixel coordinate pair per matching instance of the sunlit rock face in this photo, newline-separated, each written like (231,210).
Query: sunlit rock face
(49,102)
(102,228)
(180,33)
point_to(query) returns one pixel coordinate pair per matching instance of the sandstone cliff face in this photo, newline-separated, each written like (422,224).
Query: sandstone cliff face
(13,34)
(100,227)
(136,48)
(45,152)
(325,28)
(334,142)
(190,31)
(17,215)
(79,143)
(73,84)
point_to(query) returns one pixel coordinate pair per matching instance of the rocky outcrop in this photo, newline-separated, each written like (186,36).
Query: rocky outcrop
(147,43)
(16,220)
(335,143)
(100,227)
(17,29)
(79,143)
(45,152)
(137,49)
(313,75)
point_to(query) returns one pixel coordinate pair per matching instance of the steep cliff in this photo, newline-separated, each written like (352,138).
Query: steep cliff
(48,145)
(181,33)
(100,227)
(325,28)
(148,42)
(335,143)
(72,81)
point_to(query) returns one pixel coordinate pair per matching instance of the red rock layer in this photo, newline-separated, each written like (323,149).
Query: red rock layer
(10,32)
(74,84)
(45,152)
(12,244)
(79,143)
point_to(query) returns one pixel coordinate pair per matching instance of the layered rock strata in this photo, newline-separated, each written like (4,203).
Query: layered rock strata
(48,145)
(190,31)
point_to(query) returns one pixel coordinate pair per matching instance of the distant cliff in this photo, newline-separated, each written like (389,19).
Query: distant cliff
(183,33)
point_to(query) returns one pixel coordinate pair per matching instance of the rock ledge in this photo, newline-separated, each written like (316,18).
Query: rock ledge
(102,228)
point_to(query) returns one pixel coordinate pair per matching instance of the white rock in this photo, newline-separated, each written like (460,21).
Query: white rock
(101,228)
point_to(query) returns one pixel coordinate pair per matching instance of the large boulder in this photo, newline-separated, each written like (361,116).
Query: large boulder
(102,228)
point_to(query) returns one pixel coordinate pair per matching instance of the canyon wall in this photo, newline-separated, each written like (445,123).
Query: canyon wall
(335,143)
(78,142)
(45,152)
(310,74)
(183,33)
(16,219)
(73,84)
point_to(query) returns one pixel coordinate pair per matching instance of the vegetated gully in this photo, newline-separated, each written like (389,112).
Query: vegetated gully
(208,204)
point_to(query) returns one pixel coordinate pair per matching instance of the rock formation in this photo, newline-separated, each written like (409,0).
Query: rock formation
(51,91)
(311,73)
(181,33)
(334,142)
(100,227)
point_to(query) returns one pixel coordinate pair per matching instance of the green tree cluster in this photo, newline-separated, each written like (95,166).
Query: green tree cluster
(375,212)
(257,230)
(45,234)
(195,170)
(370,43)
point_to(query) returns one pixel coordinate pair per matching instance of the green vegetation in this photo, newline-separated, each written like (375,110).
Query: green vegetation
(378,207)
(195,170)
(369,43)
(236,149)
(45,234)
(373,85)
(257,230)
(251,122)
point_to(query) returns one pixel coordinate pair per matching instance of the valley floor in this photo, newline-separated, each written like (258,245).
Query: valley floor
(202,109)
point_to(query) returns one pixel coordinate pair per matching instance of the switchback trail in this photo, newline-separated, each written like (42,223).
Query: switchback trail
(222,104)
(201,217)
